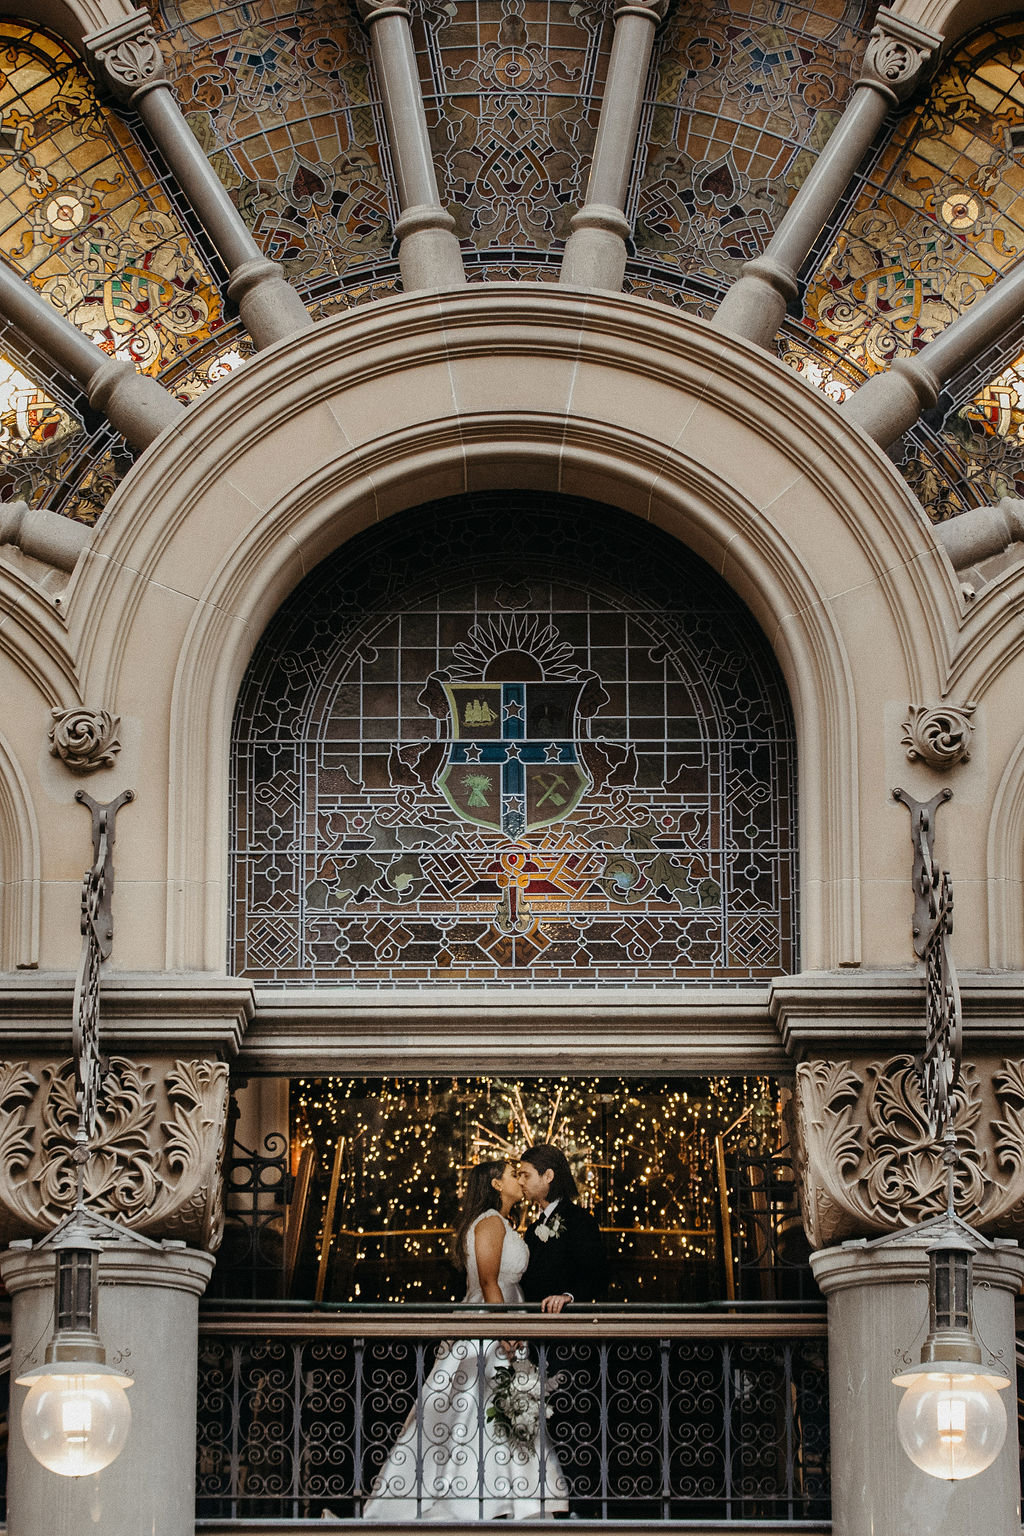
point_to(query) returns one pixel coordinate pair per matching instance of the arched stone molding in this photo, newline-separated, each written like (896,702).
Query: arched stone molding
(531,387)
(20,868)
(73,19)
(33,638)
(952,19)
(1005,867)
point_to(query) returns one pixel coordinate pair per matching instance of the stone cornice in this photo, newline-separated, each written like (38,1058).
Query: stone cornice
(848,1011)
(140,1014)
(465,1030)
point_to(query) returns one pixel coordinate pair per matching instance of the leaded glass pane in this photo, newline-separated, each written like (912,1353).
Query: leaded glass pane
(284,101)
(83,216)
(513,739)
(741,99)
(512,90)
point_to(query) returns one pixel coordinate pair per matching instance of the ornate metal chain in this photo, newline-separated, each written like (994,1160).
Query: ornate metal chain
(97,941)
(933,927)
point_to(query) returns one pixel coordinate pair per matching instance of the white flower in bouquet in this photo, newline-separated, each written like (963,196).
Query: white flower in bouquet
(515,1406)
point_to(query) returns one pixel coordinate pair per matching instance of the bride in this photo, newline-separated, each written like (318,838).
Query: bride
(451,1462)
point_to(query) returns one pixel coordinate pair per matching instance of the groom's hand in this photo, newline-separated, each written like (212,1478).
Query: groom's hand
(555,1303)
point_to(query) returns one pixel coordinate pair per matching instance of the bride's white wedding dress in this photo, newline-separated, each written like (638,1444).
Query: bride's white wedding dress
(449,1463)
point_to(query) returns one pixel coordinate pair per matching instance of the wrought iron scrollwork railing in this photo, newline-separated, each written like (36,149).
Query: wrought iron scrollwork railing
(663,1415)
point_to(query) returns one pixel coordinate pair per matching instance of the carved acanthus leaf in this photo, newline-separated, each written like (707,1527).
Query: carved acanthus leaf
(868,1162)
(896,54)
(154,1163)
(132,62)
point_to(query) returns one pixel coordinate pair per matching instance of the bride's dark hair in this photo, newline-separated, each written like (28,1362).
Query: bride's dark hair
(480,1196)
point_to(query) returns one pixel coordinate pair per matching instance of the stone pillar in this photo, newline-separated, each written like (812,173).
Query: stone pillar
(877,1320)
(755,305)
(131,63)
(137,406)
(428,251)
(889,404)
(595,253)
(43,534)
(149,1324)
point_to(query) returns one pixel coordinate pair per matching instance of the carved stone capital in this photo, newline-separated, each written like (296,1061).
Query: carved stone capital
(84,739)
(940,736)
(868,1164)
(155,1164)
(896,55)
(376,10)
(650,10)
(129,57)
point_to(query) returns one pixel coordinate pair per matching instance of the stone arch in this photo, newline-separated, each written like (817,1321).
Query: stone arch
(524,388)
(20,868)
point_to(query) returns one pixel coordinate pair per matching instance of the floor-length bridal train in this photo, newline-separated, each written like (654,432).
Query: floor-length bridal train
(449,1463)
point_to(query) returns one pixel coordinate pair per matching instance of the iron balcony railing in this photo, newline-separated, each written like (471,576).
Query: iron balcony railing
(713,1414)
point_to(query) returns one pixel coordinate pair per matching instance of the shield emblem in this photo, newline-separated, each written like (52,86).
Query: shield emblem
(513,763)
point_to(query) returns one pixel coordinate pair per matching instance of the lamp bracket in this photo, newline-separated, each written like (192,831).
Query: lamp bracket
(926,877)
(97,926)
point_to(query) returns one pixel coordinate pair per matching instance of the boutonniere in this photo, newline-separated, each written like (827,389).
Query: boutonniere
(547,1229)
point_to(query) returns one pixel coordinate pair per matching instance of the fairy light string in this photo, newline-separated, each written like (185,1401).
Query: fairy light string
(642,1152)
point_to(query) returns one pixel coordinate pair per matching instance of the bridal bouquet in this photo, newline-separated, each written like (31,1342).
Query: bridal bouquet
(515,1405)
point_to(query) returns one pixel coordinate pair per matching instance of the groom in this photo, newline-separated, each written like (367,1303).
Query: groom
(567,1260)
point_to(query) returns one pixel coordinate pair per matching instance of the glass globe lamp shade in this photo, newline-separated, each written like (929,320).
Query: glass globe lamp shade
(951,1421)
(76,1416)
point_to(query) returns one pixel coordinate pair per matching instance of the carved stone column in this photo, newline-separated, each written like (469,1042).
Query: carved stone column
(149,1324)
(755,305)
(595,253)
(129,59)
(888,404)
(137,406)
(428,251)
(877,1320)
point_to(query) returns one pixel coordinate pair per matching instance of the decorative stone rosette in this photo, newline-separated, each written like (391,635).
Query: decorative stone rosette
(940,737)
(155,1164)
(868,1164)
(84,739)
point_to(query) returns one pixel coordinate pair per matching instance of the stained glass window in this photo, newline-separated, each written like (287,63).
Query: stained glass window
(83,216)
(513,739)
(283,100)
(742,97)
(512,90)
(937,219)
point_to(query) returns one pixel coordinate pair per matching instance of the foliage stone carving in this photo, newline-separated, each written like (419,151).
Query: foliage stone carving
(84,739)
(894,60)
(869,1164)
(940,737)
(155,1162)
(132,62)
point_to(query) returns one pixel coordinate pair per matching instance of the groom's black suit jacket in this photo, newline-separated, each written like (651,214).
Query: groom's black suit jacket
(574,1261)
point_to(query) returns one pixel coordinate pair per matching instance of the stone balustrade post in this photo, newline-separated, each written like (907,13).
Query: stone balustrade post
(755,305)
(595,253)
(428,251)
(129,59)
(137,406)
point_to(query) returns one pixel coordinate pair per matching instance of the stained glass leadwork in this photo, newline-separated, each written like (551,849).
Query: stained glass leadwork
(511,90)
(512,739)
(741,100)
(83,217)
(283,100)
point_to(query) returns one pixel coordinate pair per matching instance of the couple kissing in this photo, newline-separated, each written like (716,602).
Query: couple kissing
(475,1446)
